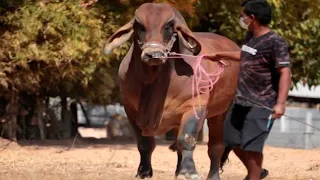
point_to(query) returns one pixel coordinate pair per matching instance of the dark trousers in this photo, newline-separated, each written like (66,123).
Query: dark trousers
(247,127)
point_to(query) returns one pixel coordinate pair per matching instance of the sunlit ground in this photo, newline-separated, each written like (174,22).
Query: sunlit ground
(101,159)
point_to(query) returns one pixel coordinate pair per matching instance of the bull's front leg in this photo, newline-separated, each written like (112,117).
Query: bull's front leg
(187,139)
(146,146)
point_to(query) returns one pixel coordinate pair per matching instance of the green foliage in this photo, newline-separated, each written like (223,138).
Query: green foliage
(56,49)
(297,21)
(220,17)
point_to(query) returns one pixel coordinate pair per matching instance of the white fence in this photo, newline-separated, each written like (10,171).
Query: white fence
(292,134)
(285,132)
(99,114)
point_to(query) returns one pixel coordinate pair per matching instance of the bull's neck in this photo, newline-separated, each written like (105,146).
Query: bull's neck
(148,74)
(154,87)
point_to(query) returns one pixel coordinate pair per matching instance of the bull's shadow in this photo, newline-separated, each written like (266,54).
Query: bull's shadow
(84,142)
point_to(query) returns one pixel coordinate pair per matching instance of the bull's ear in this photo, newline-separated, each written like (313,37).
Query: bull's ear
(122,35)
(188,39)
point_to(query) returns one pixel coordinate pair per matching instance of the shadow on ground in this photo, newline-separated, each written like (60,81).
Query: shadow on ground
(84,142)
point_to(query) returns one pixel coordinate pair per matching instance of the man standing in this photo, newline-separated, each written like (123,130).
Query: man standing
(264,81)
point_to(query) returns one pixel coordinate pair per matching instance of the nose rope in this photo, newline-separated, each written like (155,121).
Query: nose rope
(200,76)
(153,44)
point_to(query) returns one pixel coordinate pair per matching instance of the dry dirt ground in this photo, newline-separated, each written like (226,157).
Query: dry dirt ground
(94,159)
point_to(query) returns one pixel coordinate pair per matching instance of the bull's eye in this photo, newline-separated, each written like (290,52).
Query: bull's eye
(140,30)
(168,32)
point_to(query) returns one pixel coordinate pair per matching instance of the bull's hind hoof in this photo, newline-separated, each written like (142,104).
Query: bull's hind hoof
(142,176)
(264,174)
(144,173)
(188,176)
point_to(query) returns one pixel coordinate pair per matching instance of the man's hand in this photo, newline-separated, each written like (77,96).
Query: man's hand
(215,57)
(211,56)
(230,55)
(278,111)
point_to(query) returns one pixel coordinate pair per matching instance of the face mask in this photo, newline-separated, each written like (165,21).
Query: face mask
(242,24)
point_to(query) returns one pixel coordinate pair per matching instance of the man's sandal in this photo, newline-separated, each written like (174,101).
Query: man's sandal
(264,173)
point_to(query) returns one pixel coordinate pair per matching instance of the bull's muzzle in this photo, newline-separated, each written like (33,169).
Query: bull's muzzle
(153,54)
(153,58)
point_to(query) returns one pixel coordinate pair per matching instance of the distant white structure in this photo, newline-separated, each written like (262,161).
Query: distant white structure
(305,91)
(287,132)
(116,109)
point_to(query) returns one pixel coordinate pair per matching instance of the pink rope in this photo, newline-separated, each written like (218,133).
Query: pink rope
(201,77)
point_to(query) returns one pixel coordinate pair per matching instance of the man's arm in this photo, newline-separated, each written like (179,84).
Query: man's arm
(283,91)
(284,85)
(282,60)
(232,55)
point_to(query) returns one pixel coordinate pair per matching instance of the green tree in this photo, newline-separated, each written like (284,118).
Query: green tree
(55,46)
(297,21)
(55,49)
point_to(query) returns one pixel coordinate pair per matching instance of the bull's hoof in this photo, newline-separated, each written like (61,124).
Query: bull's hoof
(143,176)
(173,147)
(213,176)
(144,173)
(187,168)
(264,173)
(188,176)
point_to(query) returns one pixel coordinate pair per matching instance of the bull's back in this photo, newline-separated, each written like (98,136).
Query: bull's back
(216,42)
(225,89)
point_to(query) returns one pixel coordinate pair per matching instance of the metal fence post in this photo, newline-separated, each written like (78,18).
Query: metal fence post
(308,131)
(283,124)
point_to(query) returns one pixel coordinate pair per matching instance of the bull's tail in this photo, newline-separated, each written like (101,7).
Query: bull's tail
(224,157)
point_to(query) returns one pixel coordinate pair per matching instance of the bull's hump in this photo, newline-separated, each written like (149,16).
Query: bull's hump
(219,42)
(154,12)
(154,6)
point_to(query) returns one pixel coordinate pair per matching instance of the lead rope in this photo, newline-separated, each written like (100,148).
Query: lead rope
(200,76)
(271,110)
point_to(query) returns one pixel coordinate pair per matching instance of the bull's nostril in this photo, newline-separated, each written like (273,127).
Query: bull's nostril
(149,55)
(153,55)
(158,54)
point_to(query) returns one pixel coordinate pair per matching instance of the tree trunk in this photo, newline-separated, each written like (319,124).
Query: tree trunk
(88,122)
(22,122)
(74,112)
(39,111)
(54,130)
(66,117)
(13,110)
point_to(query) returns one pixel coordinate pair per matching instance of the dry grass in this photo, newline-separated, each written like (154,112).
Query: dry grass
(101,159)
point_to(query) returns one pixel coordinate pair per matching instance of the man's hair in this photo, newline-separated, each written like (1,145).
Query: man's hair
(245,2)
(261,9)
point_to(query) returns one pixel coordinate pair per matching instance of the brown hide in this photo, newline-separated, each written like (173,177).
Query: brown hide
(156,97)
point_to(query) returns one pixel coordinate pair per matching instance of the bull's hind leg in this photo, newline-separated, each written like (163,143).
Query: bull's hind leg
(187,139)
(215,144)
(145,145)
